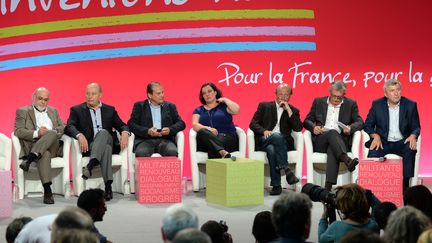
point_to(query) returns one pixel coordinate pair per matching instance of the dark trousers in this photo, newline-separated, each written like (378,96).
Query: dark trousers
(332,144)
(212,144)
(276,148)
(161,146)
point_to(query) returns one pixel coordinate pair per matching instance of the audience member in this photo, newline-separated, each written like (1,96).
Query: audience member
(419,197)
(291,217)
(382,212)
(218,232)
(425,237)
(176,218)
(361,236)
(37,231)
(93,202)
(272,125)
(353,208)
(405,225)
(191,236)
(213,122)
(15,227)
(76,236)
(262,228)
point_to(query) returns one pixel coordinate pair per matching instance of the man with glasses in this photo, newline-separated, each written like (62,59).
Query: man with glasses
(272,124)
(39,128)
(92,124)
(333,120)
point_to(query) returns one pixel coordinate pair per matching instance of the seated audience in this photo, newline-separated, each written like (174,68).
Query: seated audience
(37,231)
(176,218)
(405,225)
(353,208)
(425,237)
(71,218)
(76,236)
(291,217)
(419,197)
(93,202)
(213,122)
(262,228)
(15,227)
(382,212)
(218,232)
(191,236)
(361,236)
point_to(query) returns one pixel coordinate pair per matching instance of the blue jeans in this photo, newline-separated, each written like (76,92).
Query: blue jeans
(276,148)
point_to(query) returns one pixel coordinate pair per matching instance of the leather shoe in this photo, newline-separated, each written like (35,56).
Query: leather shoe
(86,173)
(25,165)
(291,178)
(351,164)
(108,194)
(48,198)
(276,190)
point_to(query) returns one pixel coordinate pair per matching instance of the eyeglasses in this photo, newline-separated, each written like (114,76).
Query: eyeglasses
(336,97)
(42,98)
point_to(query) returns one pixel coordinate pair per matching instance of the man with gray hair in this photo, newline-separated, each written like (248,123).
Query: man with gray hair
(39,128)
(393,124)
(176,218)
(333,120)
(291,217)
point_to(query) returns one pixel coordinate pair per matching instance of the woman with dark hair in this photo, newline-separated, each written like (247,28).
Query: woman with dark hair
(216,133)
(419,197)
(353,209)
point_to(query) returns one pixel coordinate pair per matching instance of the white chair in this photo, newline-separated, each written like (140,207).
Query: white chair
(198,158)
(29,182)
(295,157)
(132,159)
(119,164)
(5,152)
(316,162)
(414,180)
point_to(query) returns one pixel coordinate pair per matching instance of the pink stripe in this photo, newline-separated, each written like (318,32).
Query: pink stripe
(155,35)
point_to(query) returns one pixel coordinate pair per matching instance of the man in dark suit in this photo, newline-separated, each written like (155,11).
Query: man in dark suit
(92,124)
(272,124)
(155,123)
(332,121)
(393,124)
(39,128)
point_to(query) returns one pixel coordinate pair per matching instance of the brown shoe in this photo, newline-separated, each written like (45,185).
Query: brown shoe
(48,198)
(291,178)
(276,190)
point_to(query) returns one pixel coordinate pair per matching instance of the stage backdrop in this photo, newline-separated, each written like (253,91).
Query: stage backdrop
(247,47)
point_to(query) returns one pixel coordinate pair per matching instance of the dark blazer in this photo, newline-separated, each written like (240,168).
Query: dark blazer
(348,115)
(377,120)
(80,121)
(141,121)
(265,118)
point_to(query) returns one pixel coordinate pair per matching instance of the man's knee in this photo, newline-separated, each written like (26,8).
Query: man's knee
(142,151)
(51,133)
(376,153)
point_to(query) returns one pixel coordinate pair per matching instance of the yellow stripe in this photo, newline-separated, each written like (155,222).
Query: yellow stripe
(154,18)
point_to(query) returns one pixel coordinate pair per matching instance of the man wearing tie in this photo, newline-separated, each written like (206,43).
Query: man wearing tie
(92,124)
(39,128)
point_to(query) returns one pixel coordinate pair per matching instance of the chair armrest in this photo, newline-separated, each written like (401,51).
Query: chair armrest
(307,136)
(365,138)
(242,141)
(180,147)
(6,149)
(250,142)
(355,147)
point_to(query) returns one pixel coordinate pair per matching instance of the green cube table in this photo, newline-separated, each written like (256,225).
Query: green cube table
(235,183)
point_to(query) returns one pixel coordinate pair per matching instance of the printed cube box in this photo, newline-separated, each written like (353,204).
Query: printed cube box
(158,180)
(235,183)
(5,194)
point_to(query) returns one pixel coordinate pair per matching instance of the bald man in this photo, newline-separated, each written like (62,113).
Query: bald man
(92,124)
(39,128)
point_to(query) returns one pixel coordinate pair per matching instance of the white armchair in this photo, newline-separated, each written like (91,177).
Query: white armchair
(120,175)
(415,179)
(295,157)
(5,152)
(132,159)
(316,162)
(29,182)
(198,158)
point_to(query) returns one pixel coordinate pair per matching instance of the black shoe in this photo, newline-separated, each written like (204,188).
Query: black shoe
(351,164)
(108,193)
(27,160)
(86,173)
(48,198)
(276,190)
(227,156)
(291,178)
(25,166)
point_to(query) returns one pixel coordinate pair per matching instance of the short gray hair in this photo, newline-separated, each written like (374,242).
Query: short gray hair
(191,236)
(176,218)
(392,82)
(405,225)
(338,86)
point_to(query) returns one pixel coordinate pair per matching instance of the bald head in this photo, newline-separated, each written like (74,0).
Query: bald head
(93,94)
(40,98)
(283,93)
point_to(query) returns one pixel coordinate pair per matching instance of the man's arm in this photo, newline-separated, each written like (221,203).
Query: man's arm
(357,121)
(309,122)
(415,121)
(178,124)
(134,122)
(294,120)
(72,123)
(257,120)
(19,126)
(370,123)
(59,126)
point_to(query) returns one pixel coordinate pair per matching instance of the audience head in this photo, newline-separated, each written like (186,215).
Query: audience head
(15,227)
(392,90)
(93,202)
(425,237)
(337,92)
(93,94)
(209,93)
(405,225)
(176,218)
(191,236)
(283,92)
(262,228)
(76,236)
(291,215)
(382,212)
(361,236)
(70,218)
(40,98)
(352,203)
(155,93)
(419,197)
(217,231)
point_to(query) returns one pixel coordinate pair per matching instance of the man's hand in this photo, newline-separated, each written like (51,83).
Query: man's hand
(267,134)
(347,130)
(412,140)
(318,130)
(152,132)
(165,131)
(42,131)
(376,142)
(213,130)
(83,143)
(124,139)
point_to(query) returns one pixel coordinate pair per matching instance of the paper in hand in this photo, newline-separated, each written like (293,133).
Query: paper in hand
(343,126)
